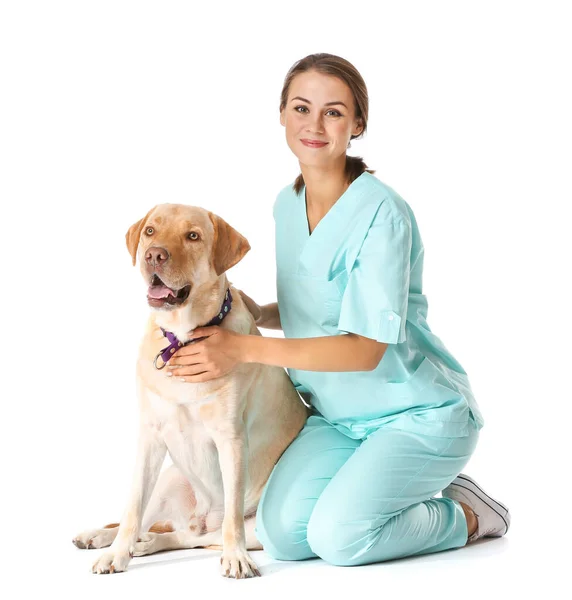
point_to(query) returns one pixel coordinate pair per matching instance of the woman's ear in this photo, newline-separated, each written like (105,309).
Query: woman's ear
(358,127)
(282,118)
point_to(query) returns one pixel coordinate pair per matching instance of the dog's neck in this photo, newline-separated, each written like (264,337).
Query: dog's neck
(199,309)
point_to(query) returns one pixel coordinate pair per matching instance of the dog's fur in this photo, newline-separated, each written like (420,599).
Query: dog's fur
(224,436)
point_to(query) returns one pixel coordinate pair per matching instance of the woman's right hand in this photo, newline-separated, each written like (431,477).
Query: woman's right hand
(254,309)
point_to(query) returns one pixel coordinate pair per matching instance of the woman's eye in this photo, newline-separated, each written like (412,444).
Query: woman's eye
(149,231)
(193,236)
(331,112)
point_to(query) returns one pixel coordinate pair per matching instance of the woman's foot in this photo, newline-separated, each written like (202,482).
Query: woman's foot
(470,517)
(493,518)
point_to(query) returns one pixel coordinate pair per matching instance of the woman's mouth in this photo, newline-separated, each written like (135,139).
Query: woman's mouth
(313,143)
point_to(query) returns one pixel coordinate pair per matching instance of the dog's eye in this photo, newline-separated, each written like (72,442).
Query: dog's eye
(193,236)
(149,231)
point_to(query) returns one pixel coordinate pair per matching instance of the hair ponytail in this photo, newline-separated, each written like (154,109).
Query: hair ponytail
(355,166)
(298,184)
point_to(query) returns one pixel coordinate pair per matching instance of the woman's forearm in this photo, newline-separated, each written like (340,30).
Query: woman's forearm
(270,317)
(348,352)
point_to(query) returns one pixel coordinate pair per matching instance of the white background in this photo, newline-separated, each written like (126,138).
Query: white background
(110,107)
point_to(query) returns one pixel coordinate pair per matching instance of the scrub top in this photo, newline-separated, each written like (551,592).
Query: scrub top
(360,271)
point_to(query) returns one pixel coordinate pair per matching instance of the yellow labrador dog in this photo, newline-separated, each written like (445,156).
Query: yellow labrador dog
(225,435)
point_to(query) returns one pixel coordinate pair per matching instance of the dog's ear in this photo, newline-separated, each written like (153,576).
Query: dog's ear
(133,234)
(229,247)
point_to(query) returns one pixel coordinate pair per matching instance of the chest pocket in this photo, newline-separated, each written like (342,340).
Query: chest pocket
(309,304)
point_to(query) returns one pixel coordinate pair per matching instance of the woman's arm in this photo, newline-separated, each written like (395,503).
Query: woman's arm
(331,353)
(220,350)
(349,352)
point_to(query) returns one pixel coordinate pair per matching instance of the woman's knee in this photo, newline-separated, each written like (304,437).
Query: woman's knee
(280,530)
(341,540)
(299,477)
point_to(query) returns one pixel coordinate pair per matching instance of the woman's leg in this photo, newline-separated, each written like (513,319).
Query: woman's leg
(294,486)
(379,506)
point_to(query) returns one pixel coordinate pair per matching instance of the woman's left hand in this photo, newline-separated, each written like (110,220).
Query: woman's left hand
(215,356)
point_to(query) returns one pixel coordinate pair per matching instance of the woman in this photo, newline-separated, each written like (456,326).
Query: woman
(394,418)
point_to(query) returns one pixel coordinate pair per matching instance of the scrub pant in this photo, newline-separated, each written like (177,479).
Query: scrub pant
(355,502)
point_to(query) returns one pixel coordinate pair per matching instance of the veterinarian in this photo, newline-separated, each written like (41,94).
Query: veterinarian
(394,418)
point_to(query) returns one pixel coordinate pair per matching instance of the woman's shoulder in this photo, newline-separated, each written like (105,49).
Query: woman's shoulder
(390,205)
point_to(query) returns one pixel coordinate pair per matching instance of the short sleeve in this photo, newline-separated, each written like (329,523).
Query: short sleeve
(374,303)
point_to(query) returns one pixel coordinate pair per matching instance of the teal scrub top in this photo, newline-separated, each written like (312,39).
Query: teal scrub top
(360,271)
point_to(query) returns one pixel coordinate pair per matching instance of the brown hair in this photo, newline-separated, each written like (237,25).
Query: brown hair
(329,64)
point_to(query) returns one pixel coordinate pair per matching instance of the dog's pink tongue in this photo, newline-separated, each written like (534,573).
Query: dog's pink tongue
(159,291)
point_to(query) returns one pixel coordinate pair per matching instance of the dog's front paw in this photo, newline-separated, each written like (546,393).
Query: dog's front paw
(95,538)
(111,562)
(237,564)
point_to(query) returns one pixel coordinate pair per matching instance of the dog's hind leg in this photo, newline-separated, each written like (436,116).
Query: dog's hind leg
(180,539)
(171,505)
(96,538)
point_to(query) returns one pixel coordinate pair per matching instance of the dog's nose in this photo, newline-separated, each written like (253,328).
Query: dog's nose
(156,257)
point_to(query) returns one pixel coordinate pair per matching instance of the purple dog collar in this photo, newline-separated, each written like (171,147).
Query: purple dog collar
(175,343)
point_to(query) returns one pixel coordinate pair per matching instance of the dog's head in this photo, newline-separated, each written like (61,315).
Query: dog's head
(181,247)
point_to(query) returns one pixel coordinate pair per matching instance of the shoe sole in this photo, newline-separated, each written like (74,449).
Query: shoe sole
(465,482)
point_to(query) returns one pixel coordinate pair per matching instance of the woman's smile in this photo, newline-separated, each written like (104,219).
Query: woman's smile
(313,143)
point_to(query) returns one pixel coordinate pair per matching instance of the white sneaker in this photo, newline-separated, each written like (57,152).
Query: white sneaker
(492,516)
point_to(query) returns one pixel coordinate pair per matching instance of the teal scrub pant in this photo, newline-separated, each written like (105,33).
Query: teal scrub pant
(355,502)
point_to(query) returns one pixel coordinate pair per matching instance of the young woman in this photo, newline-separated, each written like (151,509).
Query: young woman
(394,419)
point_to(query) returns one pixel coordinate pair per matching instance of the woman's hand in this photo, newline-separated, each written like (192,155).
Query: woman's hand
(220,352)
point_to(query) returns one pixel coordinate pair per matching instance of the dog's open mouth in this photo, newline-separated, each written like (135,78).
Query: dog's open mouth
(159,294)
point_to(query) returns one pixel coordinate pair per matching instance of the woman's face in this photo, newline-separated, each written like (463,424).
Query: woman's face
(320,108)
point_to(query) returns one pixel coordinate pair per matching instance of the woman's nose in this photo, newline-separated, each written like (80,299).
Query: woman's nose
(316,124)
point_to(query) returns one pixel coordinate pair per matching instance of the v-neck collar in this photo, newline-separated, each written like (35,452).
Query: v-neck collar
(316,249)
(336,205)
